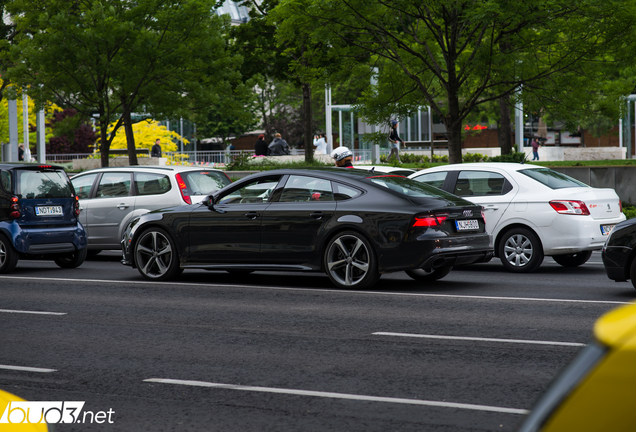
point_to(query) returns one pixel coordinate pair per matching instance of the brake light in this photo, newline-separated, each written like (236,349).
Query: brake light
(570,207)
(77,206)
(183,188)
(620,206)
(483,217)
(14,208)
(429,221)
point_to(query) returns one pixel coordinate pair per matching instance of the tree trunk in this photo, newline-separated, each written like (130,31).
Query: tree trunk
(130,138)
(505,130)
(308,117)
(104,145)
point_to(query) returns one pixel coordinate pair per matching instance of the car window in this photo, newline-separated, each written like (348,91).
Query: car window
(205,182)
(552,179)
(152,184)
(304,188)
(114,184)
(434,179)
(5,181)
(258,191)
(479,183)
(44,183)
(83,184)
(343,192)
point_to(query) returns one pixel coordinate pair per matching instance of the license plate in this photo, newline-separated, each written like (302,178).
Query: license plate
(467,225)
(48,211)
(606,229)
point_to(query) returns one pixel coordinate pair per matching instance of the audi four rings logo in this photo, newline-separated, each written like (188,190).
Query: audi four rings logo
(468,213)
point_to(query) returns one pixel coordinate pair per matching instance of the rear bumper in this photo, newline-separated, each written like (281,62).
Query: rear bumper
(35,241)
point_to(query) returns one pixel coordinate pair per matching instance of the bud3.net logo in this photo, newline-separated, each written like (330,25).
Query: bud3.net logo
(53,412)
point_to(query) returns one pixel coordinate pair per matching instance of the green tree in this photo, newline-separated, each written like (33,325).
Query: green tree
(110,58)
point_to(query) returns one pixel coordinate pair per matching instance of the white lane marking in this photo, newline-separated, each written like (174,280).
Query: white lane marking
(31,312)
(340,395)
(335,290)
(26,369)
(479,339)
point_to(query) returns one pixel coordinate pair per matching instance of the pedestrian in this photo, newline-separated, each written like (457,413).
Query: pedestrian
(21,152)
(342,156)
(394,138)
(260,147)
(535,149)
(320,143)
(156,149)
(278,147)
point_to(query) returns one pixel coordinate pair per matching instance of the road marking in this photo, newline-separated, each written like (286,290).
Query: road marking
(479,339)
(312,290)
(31,312)
(339,395)
(26,369)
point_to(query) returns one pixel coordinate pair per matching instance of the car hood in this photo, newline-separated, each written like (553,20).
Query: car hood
(616,326)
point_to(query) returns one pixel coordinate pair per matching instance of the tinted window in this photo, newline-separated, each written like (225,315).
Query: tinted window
(83,185)
(407,186)
(5,181)
(258,191)
(343,192)
(152,184)
(205,182)
(479,183)
(301,188)
(552,179)
(43,184)
(114,184)
(434,179)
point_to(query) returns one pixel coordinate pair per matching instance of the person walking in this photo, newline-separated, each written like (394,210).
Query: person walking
(535,149)
(342,156)
(156,149)
(260,146)
(21,152)
(320,143)
(278,147)
(394,138)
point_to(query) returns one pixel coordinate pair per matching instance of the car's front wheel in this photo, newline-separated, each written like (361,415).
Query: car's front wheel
(156,255)
(349,261)
(71,260)
(573,260)
(429,274)
(520,251)
(8,256)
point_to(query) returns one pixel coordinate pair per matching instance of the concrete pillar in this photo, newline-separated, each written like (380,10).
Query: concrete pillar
(41,143)
(13,131)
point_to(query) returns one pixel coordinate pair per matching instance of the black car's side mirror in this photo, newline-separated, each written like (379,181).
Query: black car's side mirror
(210,202)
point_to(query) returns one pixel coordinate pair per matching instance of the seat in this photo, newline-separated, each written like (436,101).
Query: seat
(462,188)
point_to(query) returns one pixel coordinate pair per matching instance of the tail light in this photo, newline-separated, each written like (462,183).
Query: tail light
(570,207)
(77,206)
(183,188)
(14,208)
(620,206)
(430,220)
(483,217)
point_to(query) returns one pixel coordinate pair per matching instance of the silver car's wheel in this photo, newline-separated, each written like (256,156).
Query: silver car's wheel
(156,256)
(8,256)
(520,251)
(349,261)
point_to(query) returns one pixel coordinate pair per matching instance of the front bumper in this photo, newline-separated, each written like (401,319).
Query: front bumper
(615,260)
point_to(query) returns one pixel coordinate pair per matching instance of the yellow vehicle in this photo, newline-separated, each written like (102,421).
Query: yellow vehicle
(597,391)
(5,399)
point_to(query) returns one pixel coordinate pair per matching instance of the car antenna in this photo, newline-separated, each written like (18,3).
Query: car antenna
(372,171)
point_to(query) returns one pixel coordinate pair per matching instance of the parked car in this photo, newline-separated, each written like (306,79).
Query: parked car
(619,252)
(351,224)
(596,391)
(387,169)
(532,211)
(39,216)
(111,197)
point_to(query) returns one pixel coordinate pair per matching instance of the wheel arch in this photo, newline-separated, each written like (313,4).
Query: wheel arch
(504,231)
(339,229)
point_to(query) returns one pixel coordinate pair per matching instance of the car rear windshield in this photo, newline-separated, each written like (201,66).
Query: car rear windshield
(205,182)
(43,183)
(408,186)
(552,179)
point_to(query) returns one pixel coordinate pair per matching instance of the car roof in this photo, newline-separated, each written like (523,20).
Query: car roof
(12,165)
(383,168)
(161,168)
(504,166)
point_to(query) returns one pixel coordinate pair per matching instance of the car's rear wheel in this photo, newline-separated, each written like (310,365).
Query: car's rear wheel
(349,261)
(429,274)
(520,251)
(156,255)
(632,272)
(573,260)
(71,260)
(8,256)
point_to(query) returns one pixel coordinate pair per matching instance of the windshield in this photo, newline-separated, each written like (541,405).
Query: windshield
(552,179)
(43,183)
(409,187)
(205,182)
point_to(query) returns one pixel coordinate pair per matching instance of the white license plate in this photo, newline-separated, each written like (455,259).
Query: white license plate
(606,229)
(467,225)
(49,211)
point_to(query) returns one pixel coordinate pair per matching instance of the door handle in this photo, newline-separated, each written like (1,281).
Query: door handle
(491,207)
(317,215)
(252,215)
(122,206)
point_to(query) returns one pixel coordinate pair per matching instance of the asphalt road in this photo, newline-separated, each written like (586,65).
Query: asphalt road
(289,352)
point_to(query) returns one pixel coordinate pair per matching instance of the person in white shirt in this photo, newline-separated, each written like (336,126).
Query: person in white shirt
(320,143)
